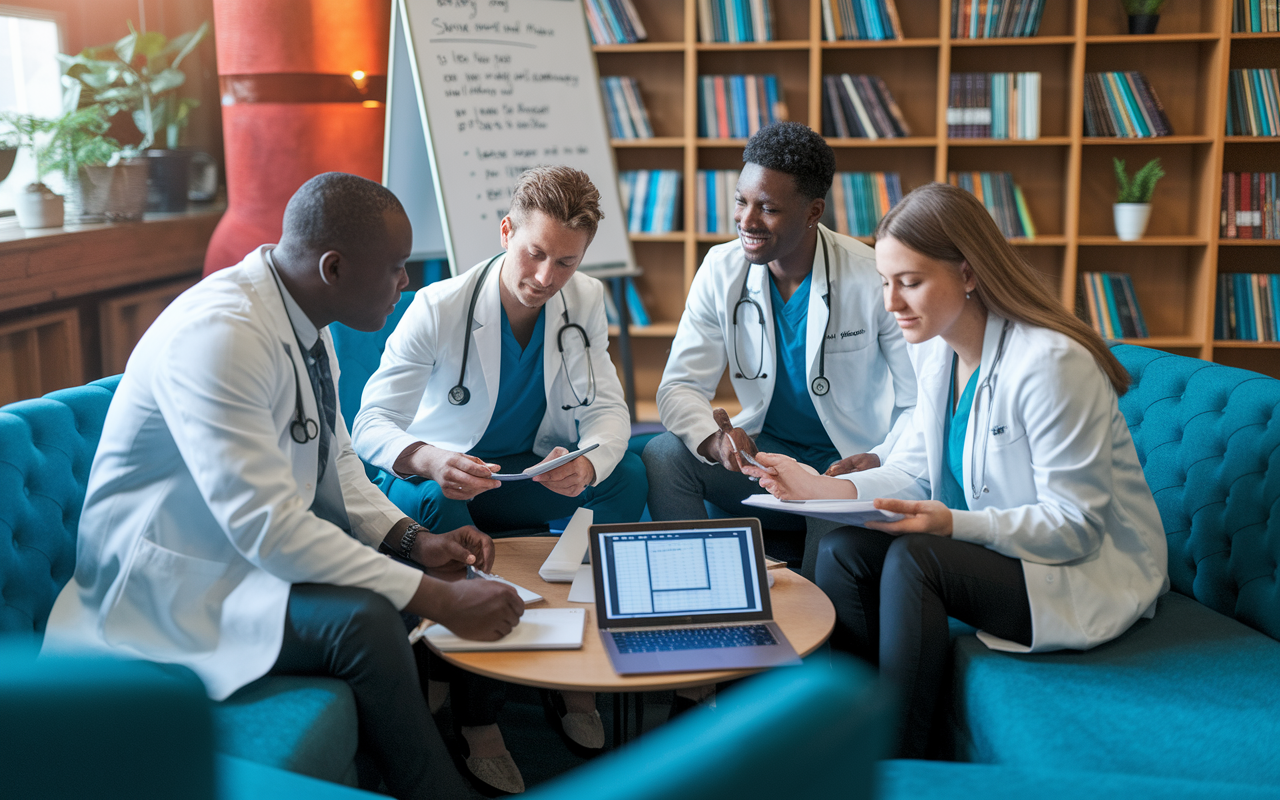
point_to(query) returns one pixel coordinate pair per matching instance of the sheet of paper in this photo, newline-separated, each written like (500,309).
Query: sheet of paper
(583,589)
(849,512)
(562,564)
(546,466)
(538,629)
(529,597)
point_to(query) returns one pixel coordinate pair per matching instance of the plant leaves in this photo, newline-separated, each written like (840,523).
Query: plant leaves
(149,44)
(167,80)
(187,42)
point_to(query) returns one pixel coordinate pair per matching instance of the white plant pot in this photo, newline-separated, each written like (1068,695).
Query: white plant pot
(1131,220)
(38,209)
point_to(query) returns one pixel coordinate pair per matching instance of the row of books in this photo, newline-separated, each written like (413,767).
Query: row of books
(1002,197)
(994,105)
(860,19)
(1249,207)
(716,205)
(736,106)
(1247,307)
(635,307)
(995,19)
(735,21)
(860,106)
(1122,104)
(628,118)
(614,22)
(1253,102)
(651,199)
(860,199)
(1255,16)
(1112,305)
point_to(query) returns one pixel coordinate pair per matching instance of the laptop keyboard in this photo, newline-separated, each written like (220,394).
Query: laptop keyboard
(692,638)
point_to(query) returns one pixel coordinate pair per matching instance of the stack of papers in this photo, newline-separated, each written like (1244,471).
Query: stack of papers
(848,512)
(526,595)
(562,565)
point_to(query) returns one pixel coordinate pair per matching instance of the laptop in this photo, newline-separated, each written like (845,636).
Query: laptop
(685,596)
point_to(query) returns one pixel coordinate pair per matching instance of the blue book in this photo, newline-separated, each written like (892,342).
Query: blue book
(739,125)
(1274,282)
(1113,313)
(639,314)
(771,91)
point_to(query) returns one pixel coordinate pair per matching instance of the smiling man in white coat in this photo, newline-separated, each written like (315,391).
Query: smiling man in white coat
(793,309)
(228,525)
(500,368)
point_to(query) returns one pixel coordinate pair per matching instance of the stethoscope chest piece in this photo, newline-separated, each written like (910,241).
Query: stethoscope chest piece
(459,395)
(820,386)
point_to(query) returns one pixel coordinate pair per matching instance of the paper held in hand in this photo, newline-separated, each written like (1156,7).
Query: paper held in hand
(567,555)
(538,629)
(545,466)
(848,512)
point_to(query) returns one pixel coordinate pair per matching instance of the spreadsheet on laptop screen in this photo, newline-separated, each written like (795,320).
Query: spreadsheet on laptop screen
(678,573)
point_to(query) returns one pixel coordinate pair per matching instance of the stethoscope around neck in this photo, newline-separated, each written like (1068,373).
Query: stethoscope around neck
(988,385)
(302,428)
(460,395)
(820,385)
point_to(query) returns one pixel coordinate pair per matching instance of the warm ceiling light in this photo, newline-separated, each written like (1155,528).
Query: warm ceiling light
(358,75)
(360,79)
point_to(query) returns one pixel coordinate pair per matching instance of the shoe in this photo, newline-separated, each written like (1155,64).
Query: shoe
(585,729)
(583,732)
(500,772)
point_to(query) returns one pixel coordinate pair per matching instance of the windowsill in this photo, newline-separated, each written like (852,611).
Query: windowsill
(10,231)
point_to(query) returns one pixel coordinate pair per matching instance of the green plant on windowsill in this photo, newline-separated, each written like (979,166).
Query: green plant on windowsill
(140,73)
(1138,8)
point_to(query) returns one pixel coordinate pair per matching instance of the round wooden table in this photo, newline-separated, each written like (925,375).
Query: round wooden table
(800,608)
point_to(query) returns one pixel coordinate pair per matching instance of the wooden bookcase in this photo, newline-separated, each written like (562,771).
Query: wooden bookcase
(1067,178)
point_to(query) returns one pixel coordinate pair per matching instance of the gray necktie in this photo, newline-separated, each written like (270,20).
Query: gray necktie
(322,384)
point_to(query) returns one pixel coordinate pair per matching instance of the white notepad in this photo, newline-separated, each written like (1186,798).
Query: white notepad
(546,466)
(565,558)
(849,512)
(538,629)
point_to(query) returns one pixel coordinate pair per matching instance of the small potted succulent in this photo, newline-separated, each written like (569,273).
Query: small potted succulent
(36,206)
(1144,15)
(1132,208)
(141,74)
(103,181)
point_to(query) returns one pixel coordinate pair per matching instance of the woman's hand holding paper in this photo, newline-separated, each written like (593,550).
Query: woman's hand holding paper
(788,479)
(921,516)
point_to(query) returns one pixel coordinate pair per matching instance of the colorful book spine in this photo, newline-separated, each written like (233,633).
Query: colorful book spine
(736,106)
(614,22)
(625,109)
(651,200)
(1249,208)
(1123,104)
(1255,16)
(735,21)
(995,19)
(1000,105)
(716,204)
(860,199)
(860,106)
(1002,197)
(845,20)
(1247,307)
(1253,102)
(1111,305)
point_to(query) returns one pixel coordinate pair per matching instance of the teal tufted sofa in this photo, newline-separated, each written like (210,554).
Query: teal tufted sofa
(301,724)
(1193,694)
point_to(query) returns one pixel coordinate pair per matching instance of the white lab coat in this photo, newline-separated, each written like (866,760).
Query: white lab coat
(407,399)
(1064,491)
(197,513)
(872,382)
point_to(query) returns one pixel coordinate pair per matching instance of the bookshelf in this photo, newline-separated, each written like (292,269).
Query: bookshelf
(1066,177)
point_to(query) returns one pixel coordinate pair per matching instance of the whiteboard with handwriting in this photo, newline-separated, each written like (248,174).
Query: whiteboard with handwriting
(505,85)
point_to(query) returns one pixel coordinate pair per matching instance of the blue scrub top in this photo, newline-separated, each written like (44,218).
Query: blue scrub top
(791,417)
(522,395)
(955,429)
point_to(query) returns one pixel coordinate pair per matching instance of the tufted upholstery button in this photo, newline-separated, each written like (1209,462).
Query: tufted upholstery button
(1048,578)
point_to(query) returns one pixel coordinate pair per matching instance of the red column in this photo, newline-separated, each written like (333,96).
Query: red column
(291,107)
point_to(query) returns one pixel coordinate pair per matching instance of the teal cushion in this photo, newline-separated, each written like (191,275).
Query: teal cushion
(239,779)
(359,353)
(1189,694)
(927,780)
(301,724)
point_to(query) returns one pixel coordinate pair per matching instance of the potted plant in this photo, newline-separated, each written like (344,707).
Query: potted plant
(104,180)
(1132,208)
(1143,14)
(141,73)
(36,205)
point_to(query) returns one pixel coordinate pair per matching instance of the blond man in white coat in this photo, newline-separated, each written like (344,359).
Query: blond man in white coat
(1026,512)
(228,526)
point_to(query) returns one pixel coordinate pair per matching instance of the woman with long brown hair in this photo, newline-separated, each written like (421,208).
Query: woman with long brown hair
(1019,502)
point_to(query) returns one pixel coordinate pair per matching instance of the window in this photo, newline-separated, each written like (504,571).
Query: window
(30,80)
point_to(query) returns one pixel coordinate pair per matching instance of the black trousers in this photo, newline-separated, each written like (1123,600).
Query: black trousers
(893,595)
(475,700)
(358,636)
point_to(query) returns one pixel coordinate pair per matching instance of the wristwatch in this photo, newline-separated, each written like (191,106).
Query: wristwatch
(405,548)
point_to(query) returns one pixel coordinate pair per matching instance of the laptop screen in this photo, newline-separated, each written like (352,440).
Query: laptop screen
(680,572)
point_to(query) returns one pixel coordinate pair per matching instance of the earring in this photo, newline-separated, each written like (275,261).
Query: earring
(966,295)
